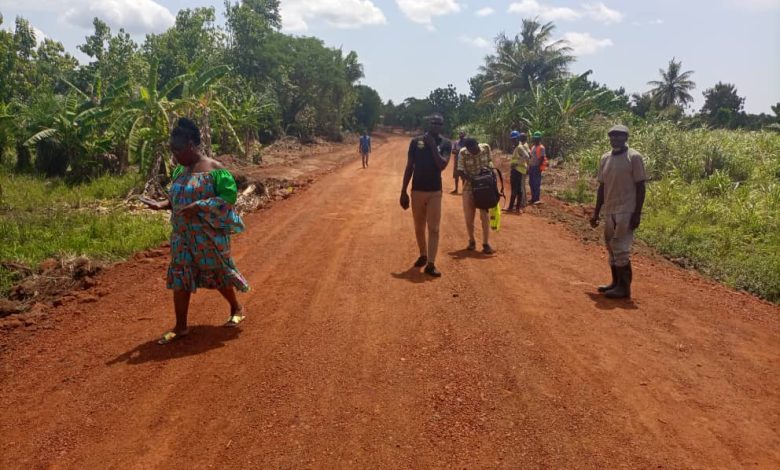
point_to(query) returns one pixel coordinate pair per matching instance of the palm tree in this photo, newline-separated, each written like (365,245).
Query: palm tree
(674,87)
(528,58)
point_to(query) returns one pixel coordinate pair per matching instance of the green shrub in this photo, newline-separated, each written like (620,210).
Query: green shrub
(43,218)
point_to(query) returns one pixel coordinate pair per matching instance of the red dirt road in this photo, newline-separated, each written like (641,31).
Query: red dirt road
(352,359)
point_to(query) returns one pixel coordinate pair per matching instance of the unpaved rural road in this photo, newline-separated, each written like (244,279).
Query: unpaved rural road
(353,360)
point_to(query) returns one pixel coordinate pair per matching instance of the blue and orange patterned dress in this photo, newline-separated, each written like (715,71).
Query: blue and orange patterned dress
(200,244)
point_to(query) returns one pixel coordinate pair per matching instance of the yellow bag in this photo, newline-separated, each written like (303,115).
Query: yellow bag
(495,217)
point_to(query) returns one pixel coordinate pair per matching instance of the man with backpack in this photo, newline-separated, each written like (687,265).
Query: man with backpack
(364,147)
(537,165)
(473,162)
(427,157)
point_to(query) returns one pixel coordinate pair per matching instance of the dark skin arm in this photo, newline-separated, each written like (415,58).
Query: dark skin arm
(438,159)
(407,178)
(594,220)
(157,205)
(636,217)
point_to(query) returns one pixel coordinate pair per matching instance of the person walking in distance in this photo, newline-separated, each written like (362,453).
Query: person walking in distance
(427,157)
(473,158)
(455,151)
(521,156)
(621,195)
(536,166)
(364,147)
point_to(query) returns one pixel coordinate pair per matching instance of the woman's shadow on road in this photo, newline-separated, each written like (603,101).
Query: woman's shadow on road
(200,339)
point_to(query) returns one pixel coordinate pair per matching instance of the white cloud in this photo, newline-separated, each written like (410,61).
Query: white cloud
(487,11)
(544,12)
(602,13)
(39,35)
(478,42)
(423,11)
(135,16)
(345,14)
(658,21)
(585,44)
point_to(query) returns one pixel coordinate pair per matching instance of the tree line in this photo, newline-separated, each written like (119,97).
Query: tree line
(526,83)
(245,82)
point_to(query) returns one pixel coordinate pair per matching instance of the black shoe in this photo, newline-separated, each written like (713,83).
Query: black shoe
(508,209)
(603,289)
(487,249)
(472,245)
(432,271)
(623,288)
(421,261)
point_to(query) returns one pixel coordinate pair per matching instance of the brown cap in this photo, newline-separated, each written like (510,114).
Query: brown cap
(618,128)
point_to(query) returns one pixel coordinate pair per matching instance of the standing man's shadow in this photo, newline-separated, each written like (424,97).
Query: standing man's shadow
(605,303)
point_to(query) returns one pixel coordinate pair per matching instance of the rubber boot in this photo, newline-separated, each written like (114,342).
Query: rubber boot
(612,285)
(623,288)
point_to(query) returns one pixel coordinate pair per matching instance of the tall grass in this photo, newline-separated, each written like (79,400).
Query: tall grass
(713,199)
(43,218)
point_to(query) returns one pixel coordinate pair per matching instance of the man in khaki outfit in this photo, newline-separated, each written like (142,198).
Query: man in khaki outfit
(427,157)
(621,195)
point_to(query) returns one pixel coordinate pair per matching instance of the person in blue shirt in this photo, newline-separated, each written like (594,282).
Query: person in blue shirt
(365,147)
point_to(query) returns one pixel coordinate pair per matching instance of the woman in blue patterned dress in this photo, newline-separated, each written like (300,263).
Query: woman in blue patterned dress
(201,199)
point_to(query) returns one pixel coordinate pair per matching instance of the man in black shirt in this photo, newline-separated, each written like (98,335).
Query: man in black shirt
(427,158)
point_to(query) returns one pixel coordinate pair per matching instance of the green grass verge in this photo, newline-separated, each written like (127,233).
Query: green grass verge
(42,218)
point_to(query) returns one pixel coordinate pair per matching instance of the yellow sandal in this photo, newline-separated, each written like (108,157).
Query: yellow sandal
(234,320)
(171,336)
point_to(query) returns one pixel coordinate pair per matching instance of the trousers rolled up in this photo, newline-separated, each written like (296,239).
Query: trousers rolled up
(535,181)
(426,212)
(517,183)
(619,237)
(469,213)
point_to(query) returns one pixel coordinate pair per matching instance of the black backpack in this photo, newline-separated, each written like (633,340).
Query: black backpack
(484,186)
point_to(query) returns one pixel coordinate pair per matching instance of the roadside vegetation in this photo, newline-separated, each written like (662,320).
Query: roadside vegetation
(76,139)
(43,218)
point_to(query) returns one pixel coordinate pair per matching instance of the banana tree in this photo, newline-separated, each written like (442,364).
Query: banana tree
(68,136)
(200,99)
(146,121)
(559,108)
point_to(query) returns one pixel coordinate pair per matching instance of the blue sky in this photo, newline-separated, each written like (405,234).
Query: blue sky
(409,47)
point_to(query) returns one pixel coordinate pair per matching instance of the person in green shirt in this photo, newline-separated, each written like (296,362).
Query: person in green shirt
(200,199)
